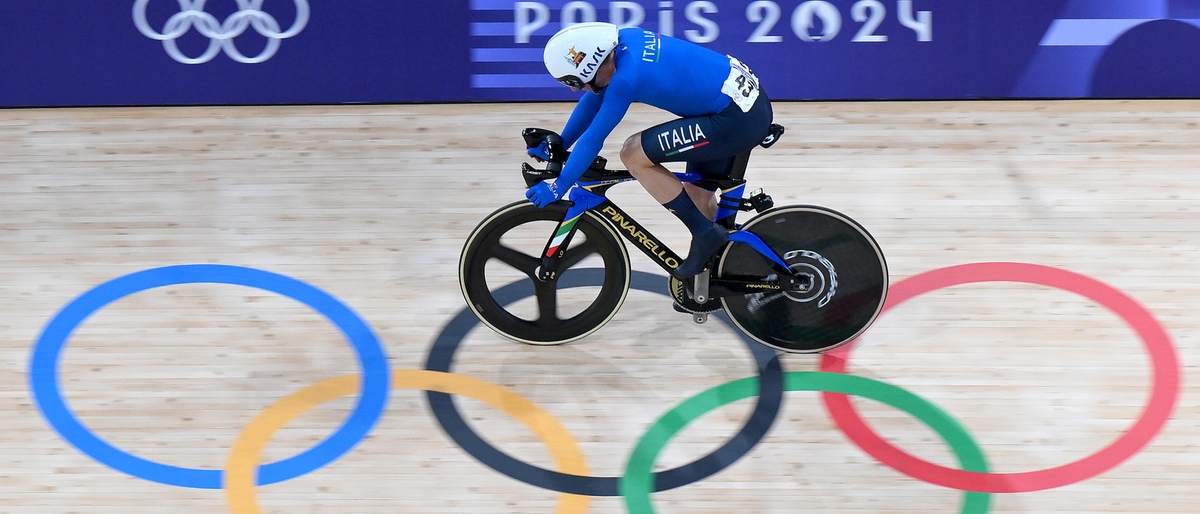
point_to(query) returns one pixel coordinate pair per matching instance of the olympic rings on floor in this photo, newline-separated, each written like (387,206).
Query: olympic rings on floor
(376,381)
(47,350)
(637,481)
(1165,390)
(441,357)
(247,448)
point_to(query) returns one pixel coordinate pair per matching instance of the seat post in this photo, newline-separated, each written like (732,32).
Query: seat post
(737,170)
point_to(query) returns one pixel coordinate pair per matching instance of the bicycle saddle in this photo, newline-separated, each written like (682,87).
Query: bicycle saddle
(773,134)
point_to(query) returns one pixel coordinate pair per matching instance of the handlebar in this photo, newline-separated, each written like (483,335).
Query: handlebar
(533,175)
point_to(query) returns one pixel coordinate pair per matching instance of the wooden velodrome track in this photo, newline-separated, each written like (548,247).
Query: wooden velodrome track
(1069,365)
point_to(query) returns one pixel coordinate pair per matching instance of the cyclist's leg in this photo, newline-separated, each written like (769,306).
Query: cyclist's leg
(707,236)
(714,138)
(705,199)
(705,195)
(654,177)
(660,183)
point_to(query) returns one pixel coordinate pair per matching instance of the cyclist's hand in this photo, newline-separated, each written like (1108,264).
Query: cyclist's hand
(541,152)
(543,194)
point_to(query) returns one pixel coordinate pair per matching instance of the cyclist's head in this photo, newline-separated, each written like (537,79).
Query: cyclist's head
(574,54)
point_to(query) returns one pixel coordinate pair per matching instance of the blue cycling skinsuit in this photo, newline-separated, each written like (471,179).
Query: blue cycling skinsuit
(722,108)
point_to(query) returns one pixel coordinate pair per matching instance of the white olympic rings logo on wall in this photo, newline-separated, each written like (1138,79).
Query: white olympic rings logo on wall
(220,34)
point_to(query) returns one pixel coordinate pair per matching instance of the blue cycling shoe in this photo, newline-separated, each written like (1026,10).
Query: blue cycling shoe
(704,246)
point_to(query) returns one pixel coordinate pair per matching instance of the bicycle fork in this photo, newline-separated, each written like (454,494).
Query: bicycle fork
(556,247)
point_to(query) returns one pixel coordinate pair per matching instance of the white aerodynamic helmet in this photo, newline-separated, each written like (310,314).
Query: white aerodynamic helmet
(574,54)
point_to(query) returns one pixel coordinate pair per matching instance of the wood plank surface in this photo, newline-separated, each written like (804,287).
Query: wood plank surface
(371,204)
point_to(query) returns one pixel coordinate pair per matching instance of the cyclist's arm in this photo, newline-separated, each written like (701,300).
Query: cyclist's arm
(617,97)
(581,117)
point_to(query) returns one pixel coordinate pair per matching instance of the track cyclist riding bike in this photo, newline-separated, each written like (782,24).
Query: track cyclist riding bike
(723,112)
(798,278)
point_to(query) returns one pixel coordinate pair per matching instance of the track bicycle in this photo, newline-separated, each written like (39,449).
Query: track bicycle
(797,278)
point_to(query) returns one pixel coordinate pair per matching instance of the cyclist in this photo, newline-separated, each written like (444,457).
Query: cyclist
(723,112)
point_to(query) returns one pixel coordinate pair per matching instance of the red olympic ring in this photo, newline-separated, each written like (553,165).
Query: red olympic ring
(1165,388)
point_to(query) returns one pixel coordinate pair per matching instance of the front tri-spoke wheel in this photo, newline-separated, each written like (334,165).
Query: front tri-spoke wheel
(499,266)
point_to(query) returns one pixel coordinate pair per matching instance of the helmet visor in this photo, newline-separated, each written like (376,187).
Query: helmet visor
(571,81)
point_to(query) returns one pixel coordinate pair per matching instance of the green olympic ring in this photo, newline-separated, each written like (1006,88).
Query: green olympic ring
(638,481)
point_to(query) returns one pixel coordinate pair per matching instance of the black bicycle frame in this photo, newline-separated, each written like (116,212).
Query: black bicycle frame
(589,195)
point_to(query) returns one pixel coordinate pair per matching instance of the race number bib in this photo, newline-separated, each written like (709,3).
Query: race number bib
(741,86)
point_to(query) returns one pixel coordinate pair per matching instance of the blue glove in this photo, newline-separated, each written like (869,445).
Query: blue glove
(543,194)
(541,151)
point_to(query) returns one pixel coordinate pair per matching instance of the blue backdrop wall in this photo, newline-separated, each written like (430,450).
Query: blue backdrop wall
(153,52)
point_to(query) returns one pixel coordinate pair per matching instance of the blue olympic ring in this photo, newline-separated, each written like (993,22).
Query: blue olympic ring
(43,372)
(441,358)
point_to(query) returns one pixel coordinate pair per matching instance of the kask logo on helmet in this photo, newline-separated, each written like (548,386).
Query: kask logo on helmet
(592,66)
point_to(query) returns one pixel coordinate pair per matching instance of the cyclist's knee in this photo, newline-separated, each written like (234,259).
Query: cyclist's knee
(632,154)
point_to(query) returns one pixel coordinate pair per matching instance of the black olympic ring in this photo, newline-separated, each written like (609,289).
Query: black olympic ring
(441,358)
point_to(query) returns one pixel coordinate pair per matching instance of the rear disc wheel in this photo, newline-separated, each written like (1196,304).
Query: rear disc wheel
(846,267)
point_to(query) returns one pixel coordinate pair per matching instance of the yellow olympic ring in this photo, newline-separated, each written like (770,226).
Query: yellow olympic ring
(244,456)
